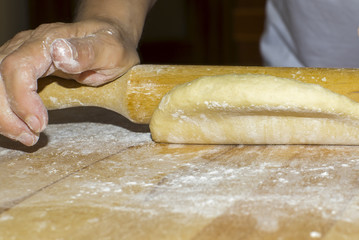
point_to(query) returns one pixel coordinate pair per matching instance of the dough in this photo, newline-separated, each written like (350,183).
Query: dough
(255,109)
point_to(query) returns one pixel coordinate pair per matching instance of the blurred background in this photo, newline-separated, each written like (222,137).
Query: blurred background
(214,32)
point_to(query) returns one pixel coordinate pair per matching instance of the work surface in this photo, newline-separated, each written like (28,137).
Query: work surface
(94,175)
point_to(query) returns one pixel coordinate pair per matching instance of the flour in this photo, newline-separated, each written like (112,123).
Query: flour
(6,217)
(263,190)
(4,152)
(54,100)
(84,137)
(315,234)
(87,138)
(270,186)
(64,56)
(216,104)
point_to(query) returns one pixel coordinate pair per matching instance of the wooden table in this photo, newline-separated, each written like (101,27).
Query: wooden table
(94,175)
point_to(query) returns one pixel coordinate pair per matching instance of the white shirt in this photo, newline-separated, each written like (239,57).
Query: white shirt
(311,33)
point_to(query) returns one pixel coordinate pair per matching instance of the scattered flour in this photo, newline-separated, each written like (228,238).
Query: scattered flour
(262,184)
(88,138)
(6,217)
(315,234)
(266,190)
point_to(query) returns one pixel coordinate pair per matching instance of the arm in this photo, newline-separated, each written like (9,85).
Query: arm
(99,46)
(130,15)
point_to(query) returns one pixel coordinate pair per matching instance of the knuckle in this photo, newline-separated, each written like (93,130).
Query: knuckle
(9,125)
(8,64)
(49,26)
(11,64)
(49,31)
(21,35)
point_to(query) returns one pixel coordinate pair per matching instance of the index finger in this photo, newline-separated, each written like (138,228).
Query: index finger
(20,71)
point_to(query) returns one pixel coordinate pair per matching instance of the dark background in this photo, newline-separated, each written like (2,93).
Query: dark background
(214,32)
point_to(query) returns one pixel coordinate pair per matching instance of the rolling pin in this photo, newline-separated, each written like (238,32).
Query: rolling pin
(137,93)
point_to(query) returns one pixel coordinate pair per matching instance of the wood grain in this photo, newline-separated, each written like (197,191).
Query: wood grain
(79,184)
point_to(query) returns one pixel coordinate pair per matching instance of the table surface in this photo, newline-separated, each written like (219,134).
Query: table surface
(95,175)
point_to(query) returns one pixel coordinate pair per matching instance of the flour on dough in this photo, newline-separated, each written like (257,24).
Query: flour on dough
(255,109)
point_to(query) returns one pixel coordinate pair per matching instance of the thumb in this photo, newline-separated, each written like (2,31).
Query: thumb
(92,60)
(65,56)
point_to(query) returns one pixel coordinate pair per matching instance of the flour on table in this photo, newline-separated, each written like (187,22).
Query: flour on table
(86,138)
(79,138)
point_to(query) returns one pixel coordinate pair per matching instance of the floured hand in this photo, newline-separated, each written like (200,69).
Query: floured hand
(92,51)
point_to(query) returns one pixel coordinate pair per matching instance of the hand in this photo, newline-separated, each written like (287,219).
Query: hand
(92,52)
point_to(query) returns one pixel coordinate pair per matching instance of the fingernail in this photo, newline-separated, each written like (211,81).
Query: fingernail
(27,139)
(33,123)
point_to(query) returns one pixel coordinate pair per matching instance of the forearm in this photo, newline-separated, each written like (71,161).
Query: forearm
(129,15)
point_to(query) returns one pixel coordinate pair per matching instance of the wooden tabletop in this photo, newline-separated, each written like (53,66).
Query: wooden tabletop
(94,175)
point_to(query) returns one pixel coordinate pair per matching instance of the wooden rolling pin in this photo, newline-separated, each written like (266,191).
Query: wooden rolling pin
(136,94)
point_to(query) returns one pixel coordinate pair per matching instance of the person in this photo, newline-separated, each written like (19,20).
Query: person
(101,45)
(311,33)
(97,47)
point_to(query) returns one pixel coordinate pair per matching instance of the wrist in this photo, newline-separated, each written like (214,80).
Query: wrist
(125,17)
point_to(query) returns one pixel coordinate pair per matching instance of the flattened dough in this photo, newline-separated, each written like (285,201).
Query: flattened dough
(255,109)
